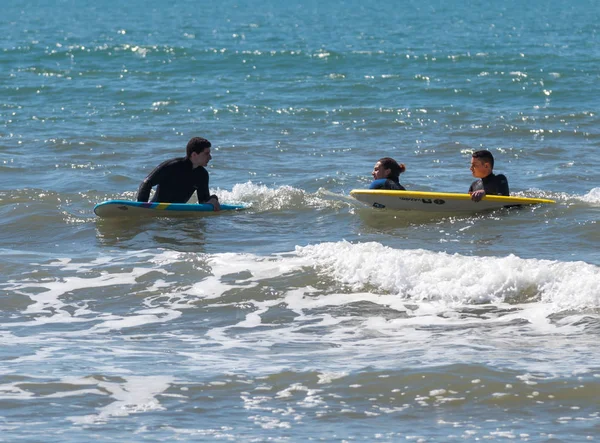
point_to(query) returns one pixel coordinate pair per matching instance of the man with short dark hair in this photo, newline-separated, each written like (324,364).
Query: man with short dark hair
(487,183)
(178,178)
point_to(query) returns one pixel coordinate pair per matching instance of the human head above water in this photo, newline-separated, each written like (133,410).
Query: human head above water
(198,152)
(197,145)
(482,163)
(484,156)
(388,164)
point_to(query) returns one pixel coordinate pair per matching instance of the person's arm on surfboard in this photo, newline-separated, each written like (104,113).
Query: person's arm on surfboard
(477,195)
(143,192)
(203,193)
(214,200)
(498,187)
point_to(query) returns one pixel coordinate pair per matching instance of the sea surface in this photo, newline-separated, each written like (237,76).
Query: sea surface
(308,316)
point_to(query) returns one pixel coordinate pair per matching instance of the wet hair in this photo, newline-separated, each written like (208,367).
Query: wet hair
(197,145)
(485,156)
(395,168)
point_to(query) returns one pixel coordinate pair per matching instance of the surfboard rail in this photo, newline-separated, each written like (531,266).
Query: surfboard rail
(438,201)
(128,208)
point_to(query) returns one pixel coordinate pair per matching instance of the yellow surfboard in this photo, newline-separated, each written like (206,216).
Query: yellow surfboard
(438,201)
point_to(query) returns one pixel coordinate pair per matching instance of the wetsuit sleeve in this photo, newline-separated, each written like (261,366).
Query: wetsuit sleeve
(378,184)
(202,190)
(143,192)
(475,186)
(149,182)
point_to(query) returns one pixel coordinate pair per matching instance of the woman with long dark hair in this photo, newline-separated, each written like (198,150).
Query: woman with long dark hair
(386,173)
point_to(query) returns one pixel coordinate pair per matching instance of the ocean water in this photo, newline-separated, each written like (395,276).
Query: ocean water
(308,316)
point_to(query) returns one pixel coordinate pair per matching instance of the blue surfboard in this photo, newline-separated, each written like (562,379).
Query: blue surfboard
(127,208)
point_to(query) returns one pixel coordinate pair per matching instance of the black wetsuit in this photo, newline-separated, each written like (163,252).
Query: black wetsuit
(492,185)
(176,181)
(387,183)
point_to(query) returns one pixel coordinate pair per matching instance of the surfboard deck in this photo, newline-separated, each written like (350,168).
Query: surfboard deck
(438,201)
(127,208)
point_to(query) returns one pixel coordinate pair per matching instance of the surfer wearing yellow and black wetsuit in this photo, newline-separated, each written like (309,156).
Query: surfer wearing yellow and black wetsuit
(386,173)
(178,178)
(487,183)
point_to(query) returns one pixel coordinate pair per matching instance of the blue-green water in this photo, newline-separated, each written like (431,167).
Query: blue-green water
(308,316)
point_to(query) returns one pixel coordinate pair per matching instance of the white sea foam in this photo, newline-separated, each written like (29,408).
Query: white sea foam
(593,196)
(263,198)
(48,304)
(137,394)
(139,318)
(370,270)
(328,377)
(53,290)
(363,298)
(421,275)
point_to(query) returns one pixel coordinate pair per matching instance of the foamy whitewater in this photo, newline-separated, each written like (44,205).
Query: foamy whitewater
(307,316)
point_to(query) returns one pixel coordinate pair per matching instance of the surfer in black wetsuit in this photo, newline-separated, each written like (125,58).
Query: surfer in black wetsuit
(177,179)
(487,183)
(386,173)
